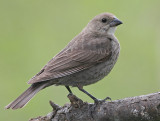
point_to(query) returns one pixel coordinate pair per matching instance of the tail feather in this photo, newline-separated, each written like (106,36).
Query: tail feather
(25,97)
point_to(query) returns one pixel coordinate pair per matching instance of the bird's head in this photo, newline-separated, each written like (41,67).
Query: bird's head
(104,23)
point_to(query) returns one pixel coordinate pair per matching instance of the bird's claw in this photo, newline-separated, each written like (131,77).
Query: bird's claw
(98,101)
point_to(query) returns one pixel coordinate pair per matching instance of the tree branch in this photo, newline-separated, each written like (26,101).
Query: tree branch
(140,108)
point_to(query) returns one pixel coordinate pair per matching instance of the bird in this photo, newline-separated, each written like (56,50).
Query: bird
(88,58)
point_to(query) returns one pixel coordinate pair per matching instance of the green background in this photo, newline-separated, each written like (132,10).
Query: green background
(33,31)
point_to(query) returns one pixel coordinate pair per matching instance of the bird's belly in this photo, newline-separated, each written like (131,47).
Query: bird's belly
(96,73)
(89,76)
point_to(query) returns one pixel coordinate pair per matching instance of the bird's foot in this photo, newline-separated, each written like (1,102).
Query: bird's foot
(98,101)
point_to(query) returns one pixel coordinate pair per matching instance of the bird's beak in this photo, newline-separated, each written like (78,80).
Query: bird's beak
(115,22)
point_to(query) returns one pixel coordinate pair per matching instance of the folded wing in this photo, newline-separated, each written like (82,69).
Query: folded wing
(70,62)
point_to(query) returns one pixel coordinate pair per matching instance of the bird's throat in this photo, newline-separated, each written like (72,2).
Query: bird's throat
(111,30)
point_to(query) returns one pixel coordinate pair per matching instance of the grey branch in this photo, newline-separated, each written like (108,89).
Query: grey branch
(140,108)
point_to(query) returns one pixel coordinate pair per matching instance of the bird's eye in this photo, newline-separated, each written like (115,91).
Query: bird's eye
(104,20)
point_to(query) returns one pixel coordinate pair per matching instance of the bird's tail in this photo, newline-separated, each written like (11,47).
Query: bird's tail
(26,96)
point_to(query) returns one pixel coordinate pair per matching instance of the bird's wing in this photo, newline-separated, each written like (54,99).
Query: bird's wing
(70,62)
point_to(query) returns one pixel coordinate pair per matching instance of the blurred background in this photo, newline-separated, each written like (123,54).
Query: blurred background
(33,31)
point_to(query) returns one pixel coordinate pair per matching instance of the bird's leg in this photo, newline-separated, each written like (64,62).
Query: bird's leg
(84,91)
(69,89)
(91,96)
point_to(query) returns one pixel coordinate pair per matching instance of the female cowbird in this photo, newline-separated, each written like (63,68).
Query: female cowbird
(88,58)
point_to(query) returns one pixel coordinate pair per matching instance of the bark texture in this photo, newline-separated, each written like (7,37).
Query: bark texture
(140,108)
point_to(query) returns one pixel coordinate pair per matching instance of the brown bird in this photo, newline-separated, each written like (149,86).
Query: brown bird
(88,58)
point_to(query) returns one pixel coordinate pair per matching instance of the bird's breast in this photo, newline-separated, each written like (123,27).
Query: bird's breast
(101,70)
